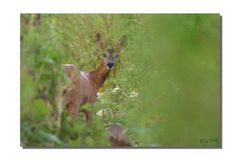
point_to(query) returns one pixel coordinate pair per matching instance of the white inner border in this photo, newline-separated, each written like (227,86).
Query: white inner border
(10,73)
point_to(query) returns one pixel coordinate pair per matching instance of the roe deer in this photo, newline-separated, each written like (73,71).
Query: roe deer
(85,85)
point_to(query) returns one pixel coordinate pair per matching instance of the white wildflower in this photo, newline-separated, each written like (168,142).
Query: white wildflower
(133,94)
(101,112)
(116,89)
(99,95)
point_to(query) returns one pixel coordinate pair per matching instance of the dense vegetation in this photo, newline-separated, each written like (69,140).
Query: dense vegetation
(165,91)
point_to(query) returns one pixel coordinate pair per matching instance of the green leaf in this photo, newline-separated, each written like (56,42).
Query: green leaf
(40,110)
(50,137)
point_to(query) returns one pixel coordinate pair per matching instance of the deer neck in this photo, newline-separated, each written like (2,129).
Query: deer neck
(99,75)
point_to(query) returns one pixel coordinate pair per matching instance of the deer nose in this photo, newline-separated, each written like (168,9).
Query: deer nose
(110,64)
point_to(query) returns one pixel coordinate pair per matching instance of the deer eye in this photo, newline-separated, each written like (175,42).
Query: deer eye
(116,56)
(104,55)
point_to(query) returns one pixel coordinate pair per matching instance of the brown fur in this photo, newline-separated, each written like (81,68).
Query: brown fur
(83,87)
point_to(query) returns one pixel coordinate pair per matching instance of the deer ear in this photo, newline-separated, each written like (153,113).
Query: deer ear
(123,41)
(98,37)
(100,44)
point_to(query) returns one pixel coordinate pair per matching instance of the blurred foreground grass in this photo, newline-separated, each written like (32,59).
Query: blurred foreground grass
(165,91)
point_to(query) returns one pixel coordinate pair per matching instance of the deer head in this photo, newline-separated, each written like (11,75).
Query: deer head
(110,54)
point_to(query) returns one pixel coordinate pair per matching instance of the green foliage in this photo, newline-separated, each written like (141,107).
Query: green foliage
(165,90)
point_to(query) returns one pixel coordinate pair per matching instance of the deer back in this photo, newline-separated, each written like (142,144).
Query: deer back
(80,88)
